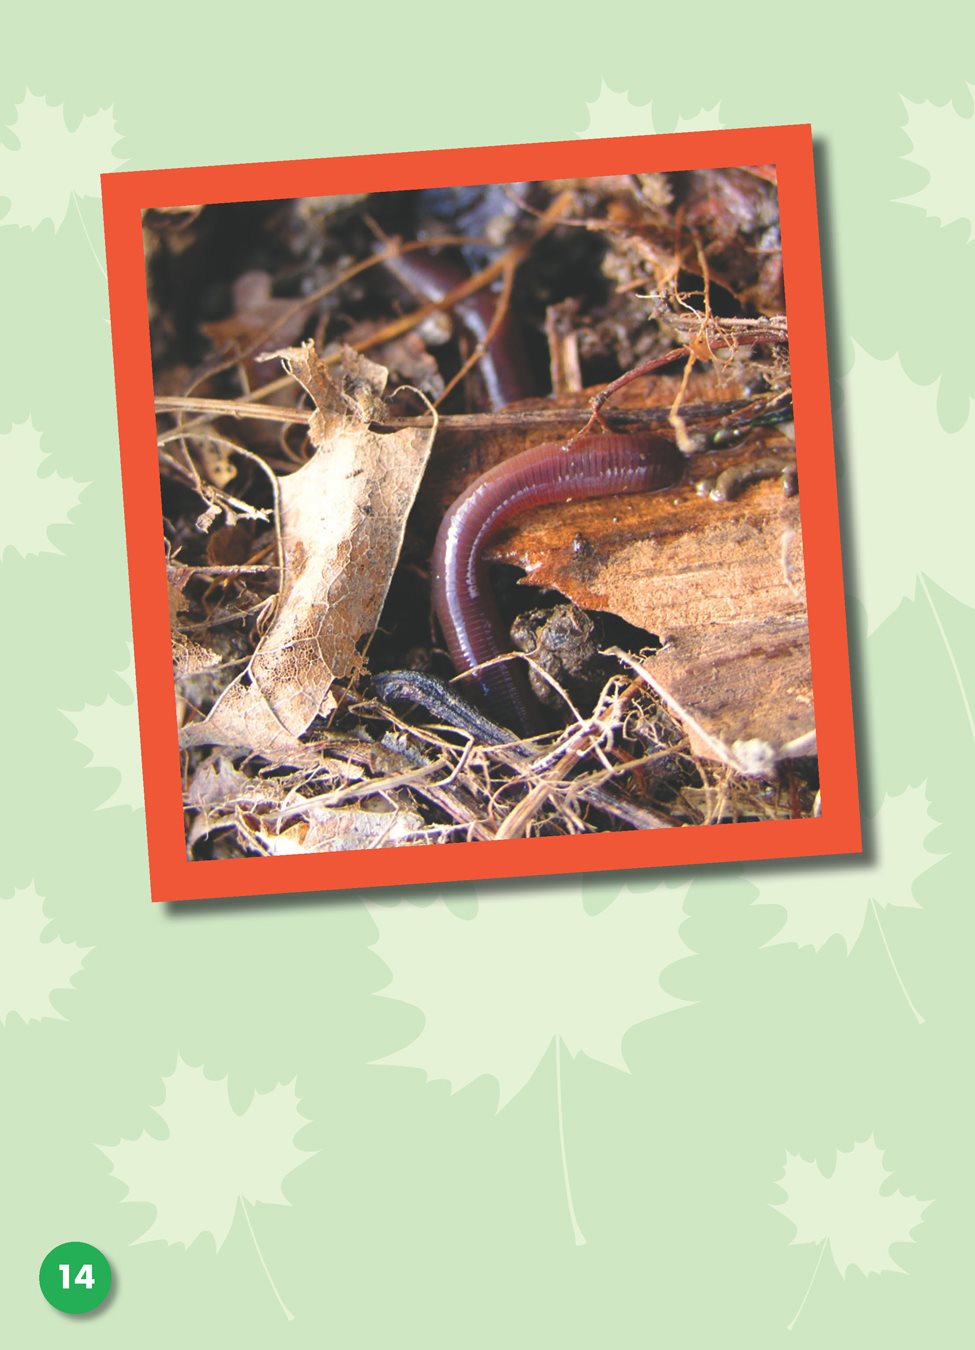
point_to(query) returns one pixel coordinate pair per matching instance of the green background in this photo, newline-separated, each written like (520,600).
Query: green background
(698,1108)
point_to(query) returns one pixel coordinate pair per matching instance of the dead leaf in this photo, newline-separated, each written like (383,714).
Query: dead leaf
(341,517)
(189,657)
(274,817)
(338,829)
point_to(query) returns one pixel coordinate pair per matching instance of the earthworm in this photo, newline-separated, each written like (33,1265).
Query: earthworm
(591,466)
(433,276)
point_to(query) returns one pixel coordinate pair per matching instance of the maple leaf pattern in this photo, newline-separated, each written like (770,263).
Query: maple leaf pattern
(942,142)
(110,730)
(51,162)
(34,497)
(613,114)
(878,421)
(34,962)
(819,906)
(530,967)
(850,1209)
(211,1159)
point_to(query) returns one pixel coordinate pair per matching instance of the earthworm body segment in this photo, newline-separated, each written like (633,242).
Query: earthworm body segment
(590,466)
(504,362)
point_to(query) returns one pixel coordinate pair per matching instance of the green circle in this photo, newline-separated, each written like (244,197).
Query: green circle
(75,1277)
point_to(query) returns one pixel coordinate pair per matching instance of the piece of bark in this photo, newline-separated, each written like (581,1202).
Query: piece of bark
(721,584)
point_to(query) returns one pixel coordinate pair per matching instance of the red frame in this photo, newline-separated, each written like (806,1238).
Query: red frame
(172,875)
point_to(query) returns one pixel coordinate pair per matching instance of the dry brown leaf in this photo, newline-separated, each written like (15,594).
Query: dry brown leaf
(189,657)
(218,790)
(342,517)
(273,815)
(327,829)
(243,719)
(192,658)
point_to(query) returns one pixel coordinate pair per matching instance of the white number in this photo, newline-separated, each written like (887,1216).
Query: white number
(84,1276)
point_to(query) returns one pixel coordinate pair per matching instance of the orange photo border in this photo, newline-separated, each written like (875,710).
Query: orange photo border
(172,875)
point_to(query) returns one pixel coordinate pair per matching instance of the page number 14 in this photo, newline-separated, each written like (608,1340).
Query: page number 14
(75,1277)
(84,1276)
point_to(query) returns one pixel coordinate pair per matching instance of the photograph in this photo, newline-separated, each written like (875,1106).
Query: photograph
(481,518)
